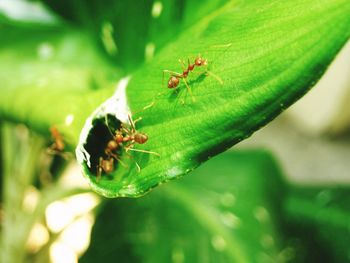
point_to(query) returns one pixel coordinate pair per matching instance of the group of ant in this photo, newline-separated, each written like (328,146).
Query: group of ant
(127,135)
(123,138)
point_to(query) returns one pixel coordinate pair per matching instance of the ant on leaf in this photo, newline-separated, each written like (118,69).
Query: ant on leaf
(175,77)
(126,137)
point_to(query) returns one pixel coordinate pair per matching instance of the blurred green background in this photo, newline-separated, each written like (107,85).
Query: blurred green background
(281,196)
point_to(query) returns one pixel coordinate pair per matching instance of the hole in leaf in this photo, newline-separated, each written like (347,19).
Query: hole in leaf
(101,133)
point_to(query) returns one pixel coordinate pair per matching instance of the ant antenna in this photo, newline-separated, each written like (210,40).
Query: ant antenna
(215,76)
(106,122)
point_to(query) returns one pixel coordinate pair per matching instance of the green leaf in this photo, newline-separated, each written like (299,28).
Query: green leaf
(318,218)
(56,66)
(267,59)
(227,211)
(268,54)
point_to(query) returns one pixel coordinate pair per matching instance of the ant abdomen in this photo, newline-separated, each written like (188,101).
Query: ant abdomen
(173,82)
(140,138)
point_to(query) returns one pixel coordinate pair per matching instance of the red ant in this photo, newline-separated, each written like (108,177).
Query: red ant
(175,77)
(127,134)
(106,166)
(58,146)
(133,136)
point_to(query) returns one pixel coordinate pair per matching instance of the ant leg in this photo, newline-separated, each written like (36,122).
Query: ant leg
(145,107)
(129,147)
(118,159)
(183,100)
(132,123)
(137,120)
(215,76)
(99,169)
(172,72)
(207,72)
(221,46)
(143,151)
(106,122)
(138,166)
(148,106)
(99,173)
(189,90)
(178,94)
(65,155)
(126,130)
(182,64)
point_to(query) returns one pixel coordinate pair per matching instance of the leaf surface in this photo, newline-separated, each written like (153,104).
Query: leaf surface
(267,53)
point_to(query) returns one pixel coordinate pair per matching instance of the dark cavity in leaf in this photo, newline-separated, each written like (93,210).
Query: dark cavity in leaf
(98,137)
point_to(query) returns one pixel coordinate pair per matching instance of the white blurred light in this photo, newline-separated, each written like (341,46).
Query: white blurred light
(38,237)
(229,219)
(82,203)
(218,242)
(69,119)
(26,11)
(157,9)
(45,51)
(107,36)
(72,177)
(149,51)
(261,214)
(58,216)
(60,213)
(60,253)
(77,235)
(30,199)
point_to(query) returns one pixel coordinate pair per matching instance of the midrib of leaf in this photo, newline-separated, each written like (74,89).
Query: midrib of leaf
(208,219)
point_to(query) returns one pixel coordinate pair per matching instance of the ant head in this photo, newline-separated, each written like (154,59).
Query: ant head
(54,132)
(173,82)
(200,61)
(140,138)
(118,137)
(112,145)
